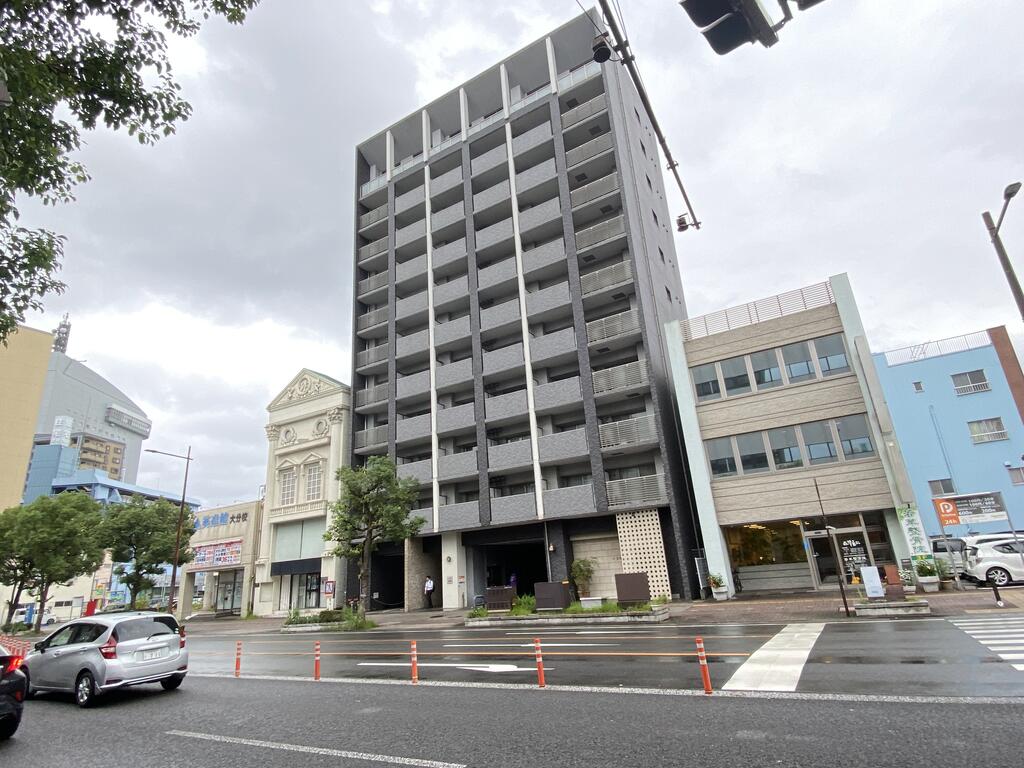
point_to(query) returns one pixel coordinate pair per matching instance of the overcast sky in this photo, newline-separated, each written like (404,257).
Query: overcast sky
(205,272)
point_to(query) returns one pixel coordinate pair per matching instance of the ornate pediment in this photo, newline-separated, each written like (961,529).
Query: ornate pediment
(305,386)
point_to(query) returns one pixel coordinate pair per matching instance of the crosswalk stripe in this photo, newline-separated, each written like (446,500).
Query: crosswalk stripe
(1018,666)
(778,664)
(1012,656)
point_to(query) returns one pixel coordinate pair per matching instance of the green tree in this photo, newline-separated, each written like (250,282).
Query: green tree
(374,508)
(15,560)
(71,65)
(141,535)
(55,539)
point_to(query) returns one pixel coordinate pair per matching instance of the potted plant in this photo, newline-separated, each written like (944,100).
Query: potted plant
(718,586)
(927,576)
(907,579)
(582,571)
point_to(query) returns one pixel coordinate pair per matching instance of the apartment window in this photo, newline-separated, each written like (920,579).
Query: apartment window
(831,354)
(918,386)
(987,430)
(1016,475)
(628,473)
(735,376)
(286,486)
(721,457)
(314,481)
(767,373)
(797,358)
(970,382)
(941,487)
(705,382)
(785,448)
(855,436)
(571,481)
(821,448)
(753,457)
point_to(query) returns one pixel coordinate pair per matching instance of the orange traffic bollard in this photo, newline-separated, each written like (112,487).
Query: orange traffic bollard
(415,668)
(238,658)
(703,659)
(540,662)
(316,660)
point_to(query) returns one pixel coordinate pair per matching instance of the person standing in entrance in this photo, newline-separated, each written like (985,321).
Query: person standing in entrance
(428,592)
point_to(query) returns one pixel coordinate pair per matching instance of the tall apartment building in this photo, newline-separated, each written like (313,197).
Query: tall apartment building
(514,269)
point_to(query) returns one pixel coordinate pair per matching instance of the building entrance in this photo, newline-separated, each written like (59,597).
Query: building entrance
(521,565)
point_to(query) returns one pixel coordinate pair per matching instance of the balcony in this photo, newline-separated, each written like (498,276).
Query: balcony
(530,98)
(411,269)
(417,470)
(989,437)
(563,446)
(449,253)
(587,109)
(515,455)
(447,294)
(606,185)
(543,257)
(598,233)
(489,159)
(494,234)
(411,306)
(505,359)
(538,174)
(501,315)
(366,252)
(413,343)
(547,300)
(610,327)
(648,490)
(495,117)
(627,433)
(411,233)
(513,509)
(553,345)
(531,138)
(503,273)
(491,196)
(574,501)
(413,385)
(407,200)
(372,217)
(372,283)
(621,378)
(371,318)
(452,517)
(446,181)
(374,356)
(455,418)
(606,277)
(970,389)
(371,438)
(453,374)
(446,334)
(557,394)
(538,215)
(576,76)
(458,466)
(508,407)
(414,428)
(371,396)
(373,185)
(590,149)
(408,163)
(289,512)
(447,216)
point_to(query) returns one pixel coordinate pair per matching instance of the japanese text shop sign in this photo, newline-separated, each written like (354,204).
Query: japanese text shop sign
(216,555)
(966,510)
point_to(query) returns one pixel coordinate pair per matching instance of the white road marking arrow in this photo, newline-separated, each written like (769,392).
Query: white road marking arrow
(470,667)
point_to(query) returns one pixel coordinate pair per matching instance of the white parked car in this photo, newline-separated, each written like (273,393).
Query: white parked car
(997,561)
(48,618)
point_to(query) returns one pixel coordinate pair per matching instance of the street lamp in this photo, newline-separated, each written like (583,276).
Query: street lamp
(181,518)
(997,243)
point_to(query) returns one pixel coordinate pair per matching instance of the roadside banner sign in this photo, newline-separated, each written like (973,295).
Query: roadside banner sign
(917,540)
(970,508)
(872,582)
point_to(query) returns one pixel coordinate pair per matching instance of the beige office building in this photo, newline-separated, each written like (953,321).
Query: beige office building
(222,560)
(796,471)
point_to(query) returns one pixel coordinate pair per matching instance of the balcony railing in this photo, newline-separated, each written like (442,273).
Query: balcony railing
(305,508)
(372,355)
(366,438)
(637,491)
(990,437)
(799,300)
(635,431)
(597,104)
(491,119)
(531,97)
(606,277)
(371,395)
(372,318)
(373,185)
(586,151)
(450,141)
(595,189)
(372,217)
(620,377)
(578,75)
(409,162)
(372,249)
(970,389)
(598,233)
(372,283)
(613,325)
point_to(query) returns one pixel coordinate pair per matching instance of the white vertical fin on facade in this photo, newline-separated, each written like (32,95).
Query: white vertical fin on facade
(538,479)
(435,486)
(552,66)
(464,112)
(426,134)
(389,154)
(504,89)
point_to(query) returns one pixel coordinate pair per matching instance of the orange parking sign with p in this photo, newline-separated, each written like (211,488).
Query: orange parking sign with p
(947,512)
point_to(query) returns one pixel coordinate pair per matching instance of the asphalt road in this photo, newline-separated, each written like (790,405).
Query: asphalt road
(213,723)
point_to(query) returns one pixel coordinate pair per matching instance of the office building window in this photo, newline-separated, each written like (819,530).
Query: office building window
(821,448)
(705,382)
(831,354)
(987,430)
(785,448)
(767,373)
(941,487)
(721,457)
(797,358)
(314,481)
(855,436)
(1016,475)
(286,486)
(970,382)
(735,376)
(753,457)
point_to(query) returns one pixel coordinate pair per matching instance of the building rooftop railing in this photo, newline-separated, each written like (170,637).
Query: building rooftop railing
(771,308)
(928,349)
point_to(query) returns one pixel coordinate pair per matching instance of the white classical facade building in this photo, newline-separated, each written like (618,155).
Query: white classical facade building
(307,433)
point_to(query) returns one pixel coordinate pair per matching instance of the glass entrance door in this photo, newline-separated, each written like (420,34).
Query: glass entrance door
(823,559)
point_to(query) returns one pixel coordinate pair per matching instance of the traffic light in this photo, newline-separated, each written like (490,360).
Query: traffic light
(728,24)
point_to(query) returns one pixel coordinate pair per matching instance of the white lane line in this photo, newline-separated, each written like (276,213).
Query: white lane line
(989,632)
(469,667)
(1012,656)
(778,664)
(540,633)
(317,750)
(996,647)
(529,645)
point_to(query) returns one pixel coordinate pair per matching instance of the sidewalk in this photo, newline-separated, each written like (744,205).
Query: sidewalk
(386,620)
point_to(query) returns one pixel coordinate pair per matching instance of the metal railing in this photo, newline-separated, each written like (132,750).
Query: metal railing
(371,395)
(595,189)
(578,75)
(620,377)
(372,283)
(372,318)
(989,437)
(364,438)
(634,491)
(606,277)
(586,151)
(635,431)
(970,389)
(531,97)
(373,185)
(597,104)
(935,348)
(600,232)
(372,217)
(771,308)
(446,143)
(372,355)
(372,249)
(613,325)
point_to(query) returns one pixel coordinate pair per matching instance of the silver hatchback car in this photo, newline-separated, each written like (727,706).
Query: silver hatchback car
(99,653)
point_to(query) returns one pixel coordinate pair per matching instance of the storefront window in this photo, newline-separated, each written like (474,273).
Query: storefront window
(765,543)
